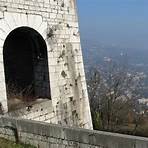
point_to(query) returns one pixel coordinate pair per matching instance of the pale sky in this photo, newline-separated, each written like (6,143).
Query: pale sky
(119,22)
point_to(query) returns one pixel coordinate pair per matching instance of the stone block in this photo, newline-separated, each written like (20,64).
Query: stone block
(1,15)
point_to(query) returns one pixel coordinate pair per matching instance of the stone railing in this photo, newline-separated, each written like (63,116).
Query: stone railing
(44,135)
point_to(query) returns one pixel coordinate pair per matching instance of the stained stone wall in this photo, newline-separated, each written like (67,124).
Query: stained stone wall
(57,23)
(44,135)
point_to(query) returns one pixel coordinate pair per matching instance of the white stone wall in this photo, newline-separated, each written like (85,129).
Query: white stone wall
(56,21)
(40,111)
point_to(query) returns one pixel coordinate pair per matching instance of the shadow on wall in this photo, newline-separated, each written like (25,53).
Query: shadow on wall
(26,65)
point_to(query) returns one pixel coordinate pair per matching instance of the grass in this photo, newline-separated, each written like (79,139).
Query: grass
(9,144)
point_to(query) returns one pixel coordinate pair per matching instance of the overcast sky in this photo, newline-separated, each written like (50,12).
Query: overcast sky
(115,22)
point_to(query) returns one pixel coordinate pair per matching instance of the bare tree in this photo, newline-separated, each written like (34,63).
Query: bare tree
(113,93)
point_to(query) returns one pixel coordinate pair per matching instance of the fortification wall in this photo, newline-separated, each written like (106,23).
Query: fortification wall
(57,23)
(44,135)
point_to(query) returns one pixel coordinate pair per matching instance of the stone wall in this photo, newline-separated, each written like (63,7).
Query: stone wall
(40,111)
(56,21)
(44,135)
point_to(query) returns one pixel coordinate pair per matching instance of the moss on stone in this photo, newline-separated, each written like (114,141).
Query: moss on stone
(9,144)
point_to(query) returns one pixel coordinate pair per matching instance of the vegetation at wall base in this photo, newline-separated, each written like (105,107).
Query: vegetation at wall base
(9,144)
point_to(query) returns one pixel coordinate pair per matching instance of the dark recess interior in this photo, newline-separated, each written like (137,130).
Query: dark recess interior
(24,47)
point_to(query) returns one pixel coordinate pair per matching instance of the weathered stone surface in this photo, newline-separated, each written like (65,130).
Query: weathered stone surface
(57,23)
(1,15)
(46,135)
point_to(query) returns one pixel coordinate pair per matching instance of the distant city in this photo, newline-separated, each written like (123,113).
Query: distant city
(135,60)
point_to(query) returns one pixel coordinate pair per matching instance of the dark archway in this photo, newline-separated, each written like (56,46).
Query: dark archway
(26,63)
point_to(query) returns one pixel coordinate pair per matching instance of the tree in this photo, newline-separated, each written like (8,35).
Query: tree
(113,94)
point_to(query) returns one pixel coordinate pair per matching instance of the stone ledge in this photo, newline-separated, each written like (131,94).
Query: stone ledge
(90,137)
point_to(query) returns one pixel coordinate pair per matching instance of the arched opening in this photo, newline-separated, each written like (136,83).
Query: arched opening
(26,65)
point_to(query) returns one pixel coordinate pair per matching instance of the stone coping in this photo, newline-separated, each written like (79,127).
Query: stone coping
(72,133)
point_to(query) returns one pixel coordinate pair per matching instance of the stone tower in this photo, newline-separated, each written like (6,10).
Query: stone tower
(40,50)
